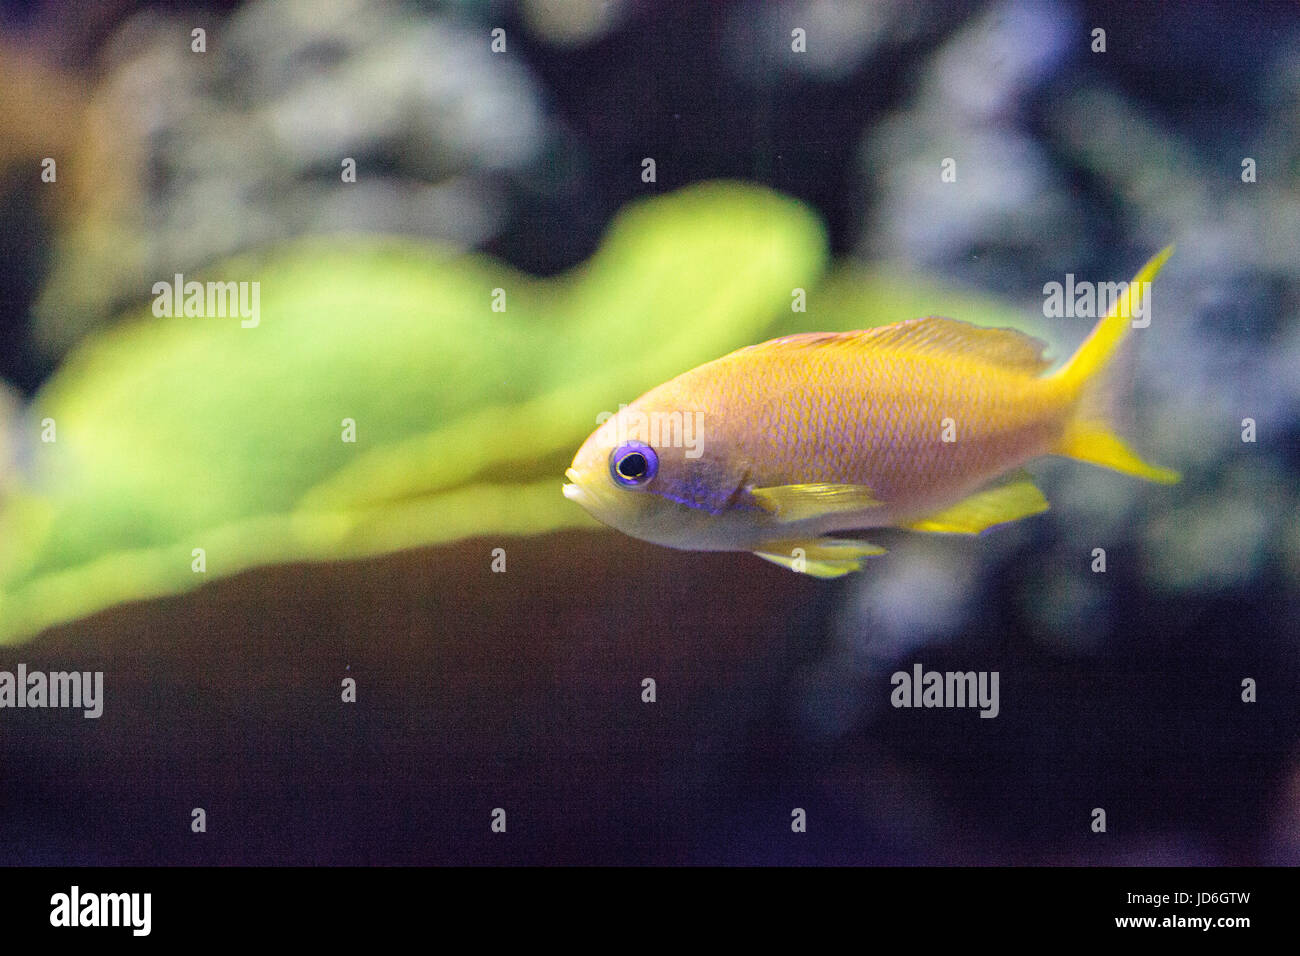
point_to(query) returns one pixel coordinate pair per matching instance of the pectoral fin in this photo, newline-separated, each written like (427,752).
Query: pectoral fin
(820,557)
(1017,497)
(797,502)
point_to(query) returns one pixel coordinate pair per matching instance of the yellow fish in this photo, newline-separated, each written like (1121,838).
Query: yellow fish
(923,425)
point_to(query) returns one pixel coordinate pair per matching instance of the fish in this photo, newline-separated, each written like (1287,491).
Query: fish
(792,448)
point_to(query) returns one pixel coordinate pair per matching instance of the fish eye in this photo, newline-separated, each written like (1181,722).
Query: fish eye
(633,464)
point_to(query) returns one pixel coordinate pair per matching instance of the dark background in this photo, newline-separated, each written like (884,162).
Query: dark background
(522,691)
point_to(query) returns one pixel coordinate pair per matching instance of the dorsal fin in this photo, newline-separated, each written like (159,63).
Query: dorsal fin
(932,335)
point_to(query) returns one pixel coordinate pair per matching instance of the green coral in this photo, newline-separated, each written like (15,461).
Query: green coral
(175,434)
(182,433)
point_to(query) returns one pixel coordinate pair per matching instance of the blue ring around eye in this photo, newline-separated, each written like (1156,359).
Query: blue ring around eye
(633,464)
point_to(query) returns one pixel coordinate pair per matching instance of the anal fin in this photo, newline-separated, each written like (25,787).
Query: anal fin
(1009,500)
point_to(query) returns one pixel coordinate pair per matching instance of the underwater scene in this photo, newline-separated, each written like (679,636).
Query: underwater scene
(650,433)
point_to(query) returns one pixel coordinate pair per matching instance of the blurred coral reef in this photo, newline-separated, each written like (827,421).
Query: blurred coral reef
(524,169)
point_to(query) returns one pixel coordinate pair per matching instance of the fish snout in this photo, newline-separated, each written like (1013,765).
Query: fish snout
(572,490)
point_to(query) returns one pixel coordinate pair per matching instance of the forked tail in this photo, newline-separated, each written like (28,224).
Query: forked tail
(1090,434)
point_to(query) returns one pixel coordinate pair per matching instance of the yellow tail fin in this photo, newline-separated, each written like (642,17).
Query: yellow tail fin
(1089,436)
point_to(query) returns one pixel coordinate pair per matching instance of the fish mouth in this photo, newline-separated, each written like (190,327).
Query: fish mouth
(571,489)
